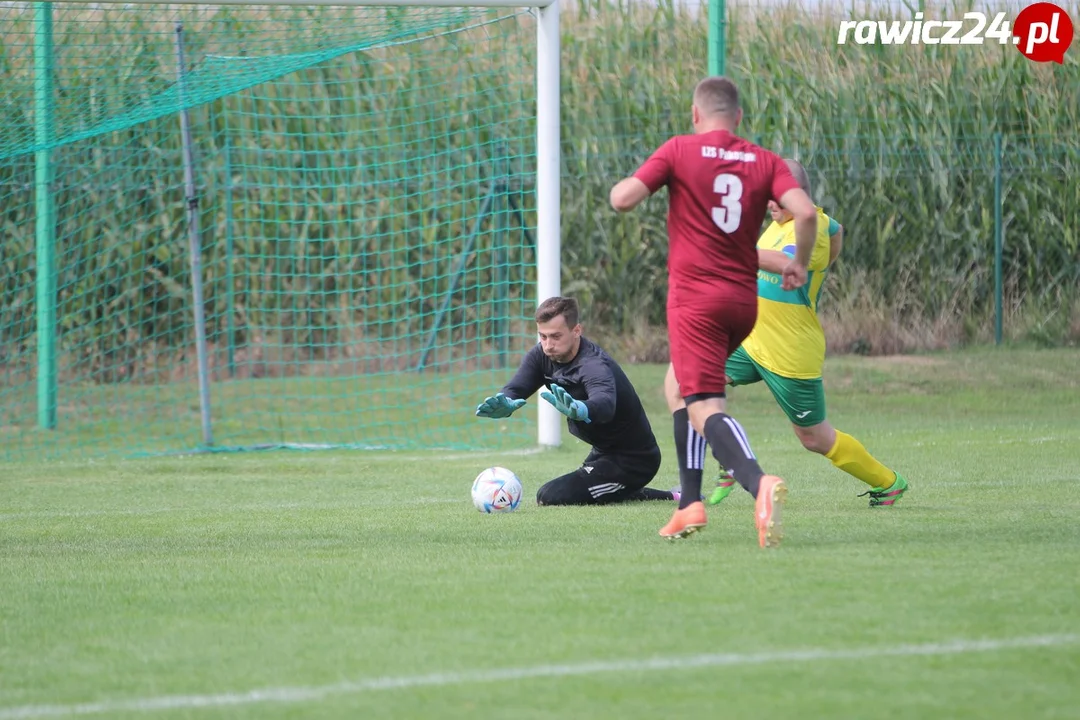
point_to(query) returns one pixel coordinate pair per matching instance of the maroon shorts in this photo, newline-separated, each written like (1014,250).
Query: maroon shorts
(703,335)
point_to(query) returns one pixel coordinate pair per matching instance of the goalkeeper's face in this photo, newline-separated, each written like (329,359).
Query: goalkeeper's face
(559,341)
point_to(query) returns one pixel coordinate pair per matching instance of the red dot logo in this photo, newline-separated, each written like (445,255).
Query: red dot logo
(1043,32)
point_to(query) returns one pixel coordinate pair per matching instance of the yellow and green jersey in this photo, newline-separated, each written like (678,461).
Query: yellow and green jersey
(787,338)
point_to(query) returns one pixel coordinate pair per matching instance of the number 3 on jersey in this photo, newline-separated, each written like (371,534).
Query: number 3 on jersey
(729,188)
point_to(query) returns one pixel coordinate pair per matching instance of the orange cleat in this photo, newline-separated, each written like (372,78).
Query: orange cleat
(685,522)
(768,510)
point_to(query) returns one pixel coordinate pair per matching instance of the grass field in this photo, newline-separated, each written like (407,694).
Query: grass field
(364,584)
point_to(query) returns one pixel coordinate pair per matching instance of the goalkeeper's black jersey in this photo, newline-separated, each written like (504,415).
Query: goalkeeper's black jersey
(619,423)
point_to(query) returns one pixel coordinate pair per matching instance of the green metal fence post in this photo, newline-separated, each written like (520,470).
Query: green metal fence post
(998,239)
(717,40)
(45,213)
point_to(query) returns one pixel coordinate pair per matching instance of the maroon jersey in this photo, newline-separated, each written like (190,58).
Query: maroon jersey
(719,186)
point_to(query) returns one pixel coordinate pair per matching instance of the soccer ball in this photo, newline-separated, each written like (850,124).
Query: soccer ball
(496,490)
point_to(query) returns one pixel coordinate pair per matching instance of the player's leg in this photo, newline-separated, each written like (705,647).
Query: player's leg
(803,401)
(689,445)
(569,489)
(740,370)
(705,334)
(699,338)
(600,481)
(847,453)
(633,471)
(690,514)
(731,448)
(648,493)
(680,325)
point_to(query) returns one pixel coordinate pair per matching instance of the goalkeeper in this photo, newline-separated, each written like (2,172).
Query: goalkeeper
(601,406)
(786,350)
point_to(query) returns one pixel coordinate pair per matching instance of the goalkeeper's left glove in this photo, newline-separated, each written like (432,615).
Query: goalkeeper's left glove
(568,406)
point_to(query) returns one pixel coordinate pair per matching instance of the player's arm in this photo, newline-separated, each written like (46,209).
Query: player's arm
(526,381)
(628,193)
(772,261)
(599,383)
(599,386)
(836,240)
(653,174)
(529,376)
(802,209)
(804,215)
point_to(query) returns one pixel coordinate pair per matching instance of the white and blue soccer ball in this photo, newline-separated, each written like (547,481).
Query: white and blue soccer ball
(496,490)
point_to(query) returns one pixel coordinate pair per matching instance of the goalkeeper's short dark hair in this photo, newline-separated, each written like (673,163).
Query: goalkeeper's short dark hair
(553,307)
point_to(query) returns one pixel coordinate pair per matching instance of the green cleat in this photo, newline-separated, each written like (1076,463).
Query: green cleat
(725,483)
(887,497)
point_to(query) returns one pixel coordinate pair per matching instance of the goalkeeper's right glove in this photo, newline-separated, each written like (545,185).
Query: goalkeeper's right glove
(498,406)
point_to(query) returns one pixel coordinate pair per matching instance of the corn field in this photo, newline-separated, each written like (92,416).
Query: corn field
(899,142)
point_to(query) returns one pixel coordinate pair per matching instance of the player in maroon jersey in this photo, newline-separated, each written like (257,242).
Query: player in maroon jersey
(719,187)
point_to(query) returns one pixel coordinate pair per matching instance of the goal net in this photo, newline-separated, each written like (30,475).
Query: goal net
(342,253)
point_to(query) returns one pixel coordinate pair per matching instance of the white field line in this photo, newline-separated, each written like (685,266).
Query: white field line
(376,684)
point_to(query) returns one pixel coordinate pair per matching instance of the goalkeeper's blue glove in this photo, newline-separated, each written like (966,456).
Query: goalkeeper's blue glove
(498,406)
(568,406)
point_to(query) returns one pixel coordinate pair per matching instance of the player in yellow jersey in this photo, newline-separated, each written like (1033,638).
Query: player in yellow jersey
(786,350)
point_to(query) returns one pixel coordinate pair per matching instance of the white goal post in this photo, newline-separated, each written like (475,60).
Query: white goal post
(548,152)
